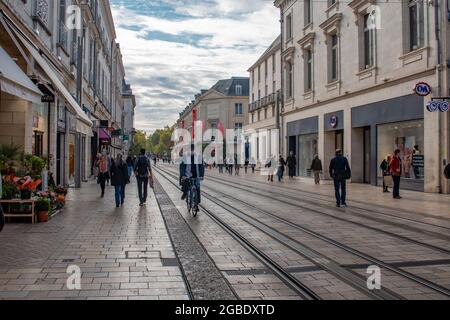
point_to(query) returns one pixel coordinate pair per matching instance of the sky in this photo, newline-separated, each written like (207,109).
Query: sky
(174,48)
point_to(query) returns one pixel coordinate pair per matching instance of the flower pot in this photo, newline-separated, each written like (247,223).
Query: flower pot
(43,216)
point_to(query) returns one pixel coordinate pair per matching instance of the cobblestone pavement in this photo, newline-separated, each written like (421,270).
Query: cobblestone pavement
(123,253)
(412,248)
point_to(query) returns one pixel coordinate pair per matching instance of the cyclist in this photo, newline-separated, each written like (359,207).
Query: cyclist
(191,167)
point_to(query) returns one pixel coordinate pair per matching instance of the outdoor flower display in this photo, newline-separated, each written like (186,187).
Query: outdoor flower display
(22,179)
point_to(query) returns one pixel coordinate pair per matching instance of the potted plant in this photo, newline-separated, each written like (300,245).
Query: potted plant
(42,208)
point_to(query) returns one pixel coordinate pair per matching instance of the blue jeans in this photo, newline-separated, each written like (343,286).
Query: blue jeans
(340,188)
(130,171)
(196,182)
(120,194)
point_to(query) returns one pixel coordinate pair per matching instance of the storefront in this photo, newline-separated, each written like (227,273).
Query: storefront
(303,141)
(378,129)
(40,130)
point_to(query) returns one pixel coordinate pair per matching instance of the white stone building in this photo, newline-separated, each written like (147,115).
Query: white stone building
(349,71)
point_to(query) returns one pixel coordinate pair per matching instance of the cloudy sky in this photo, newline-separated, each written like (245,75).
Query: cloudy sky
(174,48)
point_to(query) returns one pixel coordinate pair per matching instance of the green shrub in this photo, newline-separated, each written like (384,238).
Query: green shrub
(43,205)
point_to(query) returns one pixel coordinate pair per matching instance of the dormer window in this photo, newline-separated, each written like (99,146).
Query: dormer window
(238,90)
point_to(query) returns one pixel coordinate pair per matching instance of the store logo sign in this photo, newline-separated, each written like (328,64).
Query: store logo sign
(438,105)
(422,89)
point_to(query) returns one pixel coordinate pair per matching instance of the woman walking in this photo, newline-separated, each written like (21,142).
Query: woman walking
(119,179)
(387,178)
(103,171)
(130,166)
(281,167)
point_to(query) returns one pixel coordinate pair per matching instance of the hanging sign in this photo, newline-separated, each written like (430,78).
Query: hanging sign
(438,105)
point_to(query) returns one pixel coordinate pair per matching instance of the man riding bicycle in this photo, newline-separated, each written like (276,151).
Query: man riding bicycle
(191,169)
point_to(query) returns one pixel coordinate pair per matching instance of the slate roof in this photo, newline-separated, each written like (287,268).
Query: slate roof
(228,87)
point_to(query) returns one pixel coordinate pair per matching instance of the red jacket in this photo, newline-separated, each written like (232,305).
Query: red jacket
(396,166)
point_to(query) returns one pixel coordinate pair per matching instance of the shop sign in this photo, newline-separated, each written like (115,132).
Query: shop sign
(422,89)
(333,121)
(126,137)
(438,105)
(48,98)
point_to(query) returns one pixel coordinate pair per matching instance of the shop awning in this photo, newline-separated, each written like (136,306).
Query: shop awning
(72,104)
(15,82)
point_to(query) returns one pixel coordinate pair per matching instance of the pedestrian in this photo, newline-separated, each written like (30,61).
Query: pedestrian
(270,164)
(447,172)
(108,177)
(220,165)
(230,166)
(130,166)
(387,178)
(340,172)
(292,164)
(395,167)
(144,176)
(103,170)
(316,168)
(119,179)
(246,165)
(253,165)
(280,169)
(237,166)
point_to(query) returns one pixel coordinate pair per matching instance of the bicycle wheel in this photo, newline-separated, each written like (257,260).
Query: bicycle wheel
(194,202)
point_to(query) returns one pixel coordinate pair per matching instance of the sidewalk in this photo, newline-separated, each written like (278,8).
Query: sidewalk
(123,253)
(414,202)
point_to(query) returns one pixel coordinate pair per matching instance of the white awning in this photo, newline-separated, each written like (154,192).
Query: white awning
(72,104)
(15,82)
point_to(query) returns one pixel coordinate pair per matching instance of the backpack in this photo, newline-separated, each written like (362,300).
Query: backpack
(142,166)
(447,171)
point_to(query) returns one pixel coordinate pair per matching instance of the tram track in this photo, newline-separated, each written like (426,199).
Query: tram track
(289,241)
(347,276)
(394,224)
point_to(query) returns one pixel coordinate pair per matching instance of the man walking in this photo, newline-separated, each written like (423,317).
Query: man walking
(291,163)
(395,168)
(316,168)
(143,172)
(340,172)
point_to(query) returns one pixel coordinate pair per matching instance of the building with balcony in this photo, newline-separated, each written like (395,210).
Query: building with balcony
(265,100)
(129,106)
(67,49)
(349,73)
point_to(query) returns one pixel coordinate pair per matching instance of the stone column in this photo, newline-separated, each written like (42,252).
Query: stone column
(432,150)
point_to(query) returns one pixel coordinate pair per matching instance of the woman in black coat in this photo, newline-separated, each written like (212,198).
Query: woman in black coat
(119,179)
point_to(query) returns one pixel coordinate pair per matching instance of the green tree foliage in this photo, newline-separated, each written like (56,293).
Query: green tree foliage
(140,142)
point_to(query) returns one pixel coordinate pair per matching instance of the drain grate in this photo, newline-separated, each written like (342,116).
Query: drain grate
(251,272)
(142,254)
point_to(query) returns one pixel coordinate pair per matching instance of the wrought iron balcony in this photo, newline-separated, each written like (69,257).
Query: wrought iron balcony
(263,102)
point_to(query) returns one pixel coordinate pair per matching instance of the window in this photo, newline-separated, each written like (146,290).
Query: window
(274,87)
(238,109)
(265,113)
(38,144)
(266,90)
(308,12)
(274,64)
(273,111)
(253,117)
(253,77)
(289,80)
(259,94)
(416,24)
(334,56)
(289,27)
(368,33)
(238,127)
(253,97)
(238,90)
(259,73)
(265,68)
(308,69)
(63,32)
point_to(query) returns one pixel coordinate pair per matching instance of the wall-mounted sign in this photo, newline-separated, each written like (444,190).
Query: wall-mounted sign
(333,121)
(422,89)
(48,99)
(438,105)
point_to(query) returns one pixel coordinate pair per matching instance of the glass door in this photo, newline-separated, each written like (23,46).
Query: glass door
(367,147)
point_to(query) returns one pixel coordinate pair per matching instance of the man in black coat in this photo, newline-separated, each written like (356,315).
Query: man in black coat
(340,172)
(119,179)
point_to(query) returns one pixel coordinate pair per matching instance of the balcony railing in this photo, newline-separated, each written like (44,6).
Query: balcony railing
(63,36)
(263,102)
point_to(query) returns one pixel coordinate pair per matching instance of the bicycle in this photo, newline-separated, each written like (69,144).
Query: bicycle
(192,200)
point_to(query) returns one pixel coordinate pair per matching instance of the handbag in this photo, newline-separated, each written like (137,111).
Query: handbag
(388,182)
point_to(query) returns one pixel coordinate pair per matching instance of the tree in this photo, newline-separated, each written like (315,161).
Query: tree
(140,142)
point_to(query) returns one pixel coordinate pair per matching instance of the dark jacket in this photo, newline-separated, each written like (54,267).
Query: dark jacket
(340,168)
(291,161)
(447,172)
(316,165)
(384,166)
(186,167)
(119,174)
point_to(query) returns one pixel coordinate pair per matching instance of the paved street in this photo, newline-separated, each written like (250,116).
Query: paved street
(161,252)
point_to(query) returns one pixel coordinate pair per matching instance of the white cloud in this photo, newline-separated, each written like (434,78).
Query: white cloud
(166,73)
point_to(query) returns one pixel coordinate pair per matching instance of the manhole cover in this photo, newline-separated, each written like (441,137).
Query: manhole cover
(170,262)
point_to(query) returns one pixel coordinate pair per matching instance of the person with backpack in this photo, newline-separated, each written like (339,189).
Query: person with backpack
(144,176)
(340,172)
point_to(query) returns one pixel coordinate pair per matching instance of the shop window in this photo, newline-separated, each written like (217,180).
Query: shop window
(308,147)
(409,138)
(38,144)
